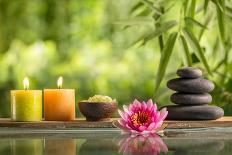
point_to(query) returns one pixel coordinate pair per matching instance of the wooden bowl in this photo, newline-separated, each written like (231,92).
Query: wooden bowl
(96,111)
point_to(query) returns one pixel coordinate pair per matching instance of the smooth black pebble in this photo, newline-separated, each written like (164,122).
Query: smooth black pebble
(203,112)
(189,72)
(191,99)
(191,85)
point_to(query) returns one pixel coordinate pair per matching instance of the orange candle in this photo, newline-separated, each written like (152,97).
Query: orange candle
(59,104)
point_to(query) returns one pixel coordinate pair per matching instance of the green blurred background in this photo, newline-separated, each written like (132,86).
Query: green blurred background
(85,42)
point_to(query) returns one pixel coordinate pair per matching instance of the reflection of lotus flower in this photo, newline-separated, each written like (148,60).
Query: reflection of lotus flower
(141,118)
(140,144)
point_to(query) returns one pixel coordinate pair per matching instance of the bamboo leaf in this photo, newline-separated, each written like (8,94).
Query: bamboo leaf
(228,9)
(185,5)
(206,5)
(206,23)
(193,21)
(219,4)
(168,8)
(221,20)
(164,59)
(161,42)
(192,8)
(194,58)
(215,47)
(140,38)
(186,50)
(132,22)
(195,44)
(136,6)
(162,28)
(151,6)
(142,13)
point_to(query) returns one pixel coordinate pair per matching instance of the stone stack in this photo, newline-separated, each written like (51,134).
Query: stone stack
(192,97)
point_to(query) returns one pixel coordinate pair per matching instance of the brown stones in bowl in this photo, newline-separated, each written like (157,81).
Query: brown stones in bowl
(97,111)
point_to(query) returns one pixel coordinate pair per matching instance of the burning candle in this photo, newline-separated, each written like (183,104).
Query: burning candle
(26,105)
(59,104)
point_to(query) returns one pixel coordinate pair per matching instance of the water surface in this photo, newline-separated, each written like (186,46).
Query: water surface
(110,141)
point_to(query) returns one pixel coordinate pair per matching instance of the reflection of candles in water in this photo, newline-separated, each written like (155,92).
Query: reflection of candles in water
(59,104)
(27,146)
(142,144)
(60,146)
(5,146)
(26,105)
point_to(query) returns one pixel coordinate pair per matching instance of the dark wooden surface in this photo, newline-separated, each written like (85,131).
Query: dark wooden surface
(78,123)
(81,123)
(222,122)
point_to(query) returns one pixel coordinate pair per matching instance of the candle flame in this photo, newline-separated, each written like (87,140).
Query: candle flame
(26,83)
(60,82)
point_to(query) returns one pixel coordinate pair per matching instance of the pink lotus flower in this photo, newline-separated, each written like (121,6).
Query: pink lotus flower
(141,118)
(140,144)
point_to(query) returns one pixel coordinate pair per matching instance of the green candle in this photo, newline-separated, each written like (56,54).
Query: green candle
(26,105)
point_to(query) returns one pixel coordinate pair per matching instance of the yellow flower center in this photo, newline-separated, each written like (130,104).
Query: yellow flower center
(140,118)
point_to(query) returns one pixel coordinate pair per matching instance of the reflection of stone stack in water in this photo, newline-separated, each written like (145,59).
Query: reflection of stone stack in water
(192,97)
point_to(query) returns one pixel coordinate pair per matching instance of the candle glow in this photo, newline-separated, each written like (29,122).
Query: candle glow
(26,83)
(60,82)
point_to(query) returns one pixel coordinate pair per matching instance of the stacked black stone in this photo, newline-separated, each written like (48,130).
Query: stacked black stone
(192,97)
